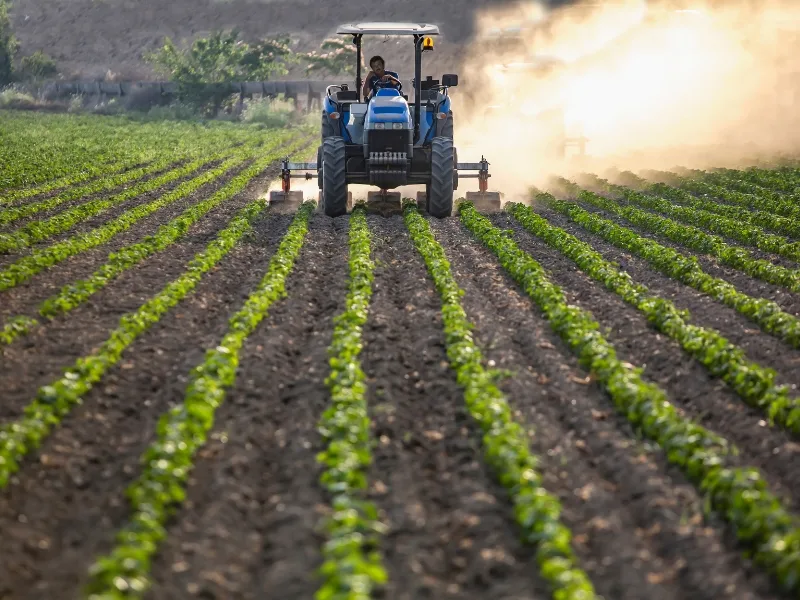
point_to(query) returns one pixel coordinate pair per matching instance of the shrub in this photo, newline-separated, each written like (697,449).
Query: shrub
(269,112)
(37,66)
(14,98)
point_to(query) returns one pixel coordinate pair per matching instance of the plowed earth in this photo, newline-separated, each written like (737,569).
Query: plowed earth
(248,528)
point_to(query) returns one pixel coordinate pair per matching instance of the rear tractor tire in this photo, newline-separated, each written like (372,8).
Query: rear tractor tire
(440,189)
(334,177)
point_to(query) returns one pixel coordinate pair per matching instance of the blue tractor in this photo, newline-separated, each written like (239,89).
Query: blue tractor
(386,142)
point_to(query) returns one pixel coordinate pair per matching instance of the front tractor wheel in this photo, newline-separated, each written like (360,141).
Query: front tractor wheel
(334,177)
(440,189)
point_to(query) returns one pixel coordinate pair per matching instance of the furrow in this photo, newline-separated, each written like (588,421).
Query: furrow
(740,495)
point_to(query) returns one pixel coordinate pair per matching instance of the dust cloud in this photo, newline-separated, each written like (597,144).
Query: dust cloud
(652,85)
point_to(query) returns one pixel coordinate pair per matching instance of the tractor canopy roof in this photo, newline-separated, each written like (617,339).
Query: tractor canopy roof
(388,29)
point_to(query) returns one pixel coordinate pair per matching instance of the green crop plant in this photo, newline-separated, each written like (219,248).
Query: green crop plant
(740,495)
(505,441)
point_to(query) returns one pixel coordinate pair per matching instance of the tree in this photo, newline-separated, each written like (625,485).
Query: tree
(219,59)
(335,57)
(8,46)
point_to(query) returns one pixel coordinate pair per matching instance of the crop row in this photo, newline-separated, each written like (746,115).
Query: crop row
(708,201)
(753,383)
(732,183)
(38,148)
(686,235)
(731,227)
(182,431)
(74,294)
(740,495)
(352,566)
(786,180)
(38,231)
(767,314)
(43,258)
(54,401)
(98,170)
(506,450)
(14,213)
(744,193)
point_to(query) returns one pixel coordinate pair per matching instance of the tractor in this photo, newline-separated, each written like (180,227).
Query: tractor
(387,142)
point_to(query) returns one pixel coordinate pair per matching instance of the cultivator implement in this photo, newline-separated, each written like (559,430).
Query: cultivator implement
(384,201)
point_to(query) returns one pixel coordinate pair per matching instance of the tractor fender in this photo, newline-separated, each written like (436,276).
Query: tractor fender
(444,128)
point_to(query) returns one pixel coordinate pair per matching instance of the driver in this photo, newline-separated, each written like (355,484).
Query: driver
(377,73)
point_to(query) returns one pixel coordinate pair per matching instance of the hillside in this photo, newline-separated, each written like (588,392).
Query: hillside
(89,38)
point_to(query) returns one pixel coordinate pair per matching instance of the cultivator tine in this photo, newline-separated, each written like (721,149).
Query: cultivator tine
(483,200)
(287,199)
(384,203)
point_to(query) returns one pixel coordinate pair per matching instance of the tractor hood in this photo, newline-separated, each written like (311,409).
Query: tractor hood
(388,111)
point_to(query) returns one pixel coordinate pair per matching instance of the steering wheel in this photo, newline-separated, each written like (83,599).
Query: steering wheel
(380,84)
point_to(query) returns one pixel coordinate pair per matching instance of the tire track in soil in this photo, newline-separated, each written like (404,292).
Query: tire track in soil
(759,346)
(38,358)
(703,397)
(788,300)
(248,527)
(64,506)
(451,531)
(617,493)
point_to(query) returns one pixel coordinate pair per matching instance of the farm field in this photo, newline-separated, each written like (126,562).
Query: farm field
(590,394)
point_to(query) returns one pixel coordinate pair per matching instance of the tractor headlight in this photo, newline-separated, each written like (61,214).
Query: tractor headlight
(398,125)
(379,125)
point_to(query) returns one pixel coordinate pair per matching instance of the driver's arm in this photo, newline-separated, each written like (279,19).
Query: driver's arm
(365,89)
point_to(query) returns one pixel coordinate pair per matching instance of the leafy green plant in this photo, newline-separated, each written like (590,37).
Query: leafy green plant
(353,565)
(111,170)
(11,214)
(38,231)
(739,495)
(125,571)
(731,182)
(785,180)
(74,294)
(766,314)
(687,235)
(708,200)
(752,382)
(505,441)
(734,228)
(40,259)
(41,151)
(53,402)
(269,112)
